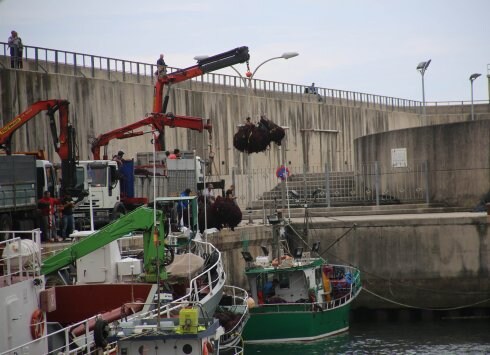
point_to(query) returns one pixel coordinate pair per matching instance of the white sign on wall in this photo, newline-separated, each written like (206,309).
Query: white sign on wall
(399,158)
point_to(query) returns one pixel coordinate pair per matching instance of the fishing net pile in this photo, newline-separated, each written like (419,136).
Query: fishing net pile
(252,138)
(221,213)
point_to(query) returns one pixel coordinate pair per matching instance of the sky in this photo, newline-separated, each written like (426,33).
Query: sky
(370,46)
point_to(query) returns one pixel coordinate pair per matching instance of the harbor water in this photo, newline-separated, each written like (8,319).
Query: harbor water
(450,336)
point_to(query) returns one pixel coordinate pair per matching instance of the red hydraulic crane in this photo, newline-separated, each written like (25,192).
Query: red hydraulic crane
(207,65)
(64,144)
(157,121)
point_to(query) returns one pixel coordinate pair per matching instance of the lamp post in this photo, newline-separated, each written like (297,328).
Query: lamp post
(422,67)
(472,78)
(248,85)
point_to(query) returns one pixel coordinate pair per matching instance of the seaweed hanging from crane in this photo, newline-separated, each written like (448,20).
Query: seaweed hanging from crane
(255,138)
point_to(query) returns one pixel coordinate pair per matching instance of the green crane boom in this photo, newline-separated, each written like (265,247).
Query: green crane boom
(141,219)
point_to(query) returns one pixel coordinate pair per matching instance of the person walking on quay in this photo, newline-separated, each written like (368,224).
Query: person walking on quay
(16,47)
(182,208)
(67,216)
(47,205)
(209,193)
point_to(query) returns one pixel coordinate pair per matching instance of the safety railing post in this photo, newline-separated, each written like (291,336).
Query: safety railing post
(376,181)
(56,62)
(108,69)
(426,172)
(92,66)
(74,64)
(327,184)
(36,58)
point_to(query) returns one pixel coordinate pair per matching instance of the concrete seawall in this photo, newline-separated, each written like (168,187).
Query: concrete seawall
(439,260)
(457,157)
(317,132)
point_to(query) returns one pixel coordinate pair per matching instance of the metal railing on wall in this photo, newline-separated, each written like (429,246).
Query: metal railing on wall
(81,64)
(367,184)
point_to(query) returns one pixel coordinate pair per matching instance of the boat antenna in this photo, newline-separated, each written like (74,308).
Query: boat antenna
(286,174)
(156,238)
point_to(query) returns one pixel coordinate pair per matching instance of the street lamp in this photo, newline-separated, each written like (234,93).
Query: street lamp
(472,78)
(285,55)
(422,67)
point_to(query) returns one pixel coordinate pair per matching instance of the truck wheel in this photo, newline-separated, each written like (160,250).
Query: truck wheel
(5,225)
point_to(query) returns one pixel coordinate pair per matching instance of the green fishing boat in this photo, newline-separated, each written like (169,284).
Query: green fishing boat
(298,297)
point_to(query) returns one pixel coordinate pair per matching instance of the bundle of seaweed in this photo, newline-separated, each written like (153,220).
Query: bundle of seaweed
(252,138)
(222,213)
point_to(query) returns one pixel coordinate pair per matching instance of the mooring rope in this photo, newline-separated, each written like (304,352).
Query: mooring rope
(424,308)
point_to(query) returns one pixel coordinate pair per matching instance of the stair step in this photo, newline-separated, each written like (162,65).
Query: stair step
(358,211)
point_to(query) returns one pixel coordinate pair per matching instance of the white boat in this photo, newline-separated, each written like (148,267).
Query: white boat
(195,277)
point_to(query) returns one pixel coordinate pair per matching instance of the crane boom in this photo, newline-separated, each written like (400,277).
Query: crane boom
(141,219)
(64,143)
(51,106)
(151,222)
(207,65)
(157,121)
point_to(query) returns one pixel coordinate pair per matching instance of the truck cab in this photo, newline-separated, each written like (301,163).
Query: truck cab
(101,179)
(23,180)
(47,179)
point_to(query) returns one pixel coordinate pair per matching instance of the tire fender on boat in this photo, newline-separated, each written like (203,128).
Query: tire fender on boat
(37,324)
(101,332)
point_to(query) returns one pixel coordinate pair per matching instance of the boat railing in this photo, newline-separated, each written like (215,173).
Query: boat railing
(353,283)
(352,278)
(20,260)
(239,297)
(201,284)
(61,341)
(234,350)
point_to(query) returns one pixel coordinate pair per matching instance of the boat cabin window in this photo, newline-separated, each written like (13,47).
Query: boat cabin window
(283,280)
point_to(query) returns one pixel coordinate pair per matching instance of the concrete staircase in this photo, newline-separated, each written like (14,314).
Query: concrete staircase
(315,212)
(310,189)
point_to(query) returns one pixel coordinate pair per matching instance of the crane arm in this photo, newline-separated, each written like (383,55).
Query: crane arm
(51,106)
(156,121)
(141,219)
(64,143)
(207,65)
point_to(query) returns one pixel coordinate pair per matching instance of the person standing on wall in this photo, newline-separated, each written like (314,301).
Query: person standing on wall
(16,47)
(161,67)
